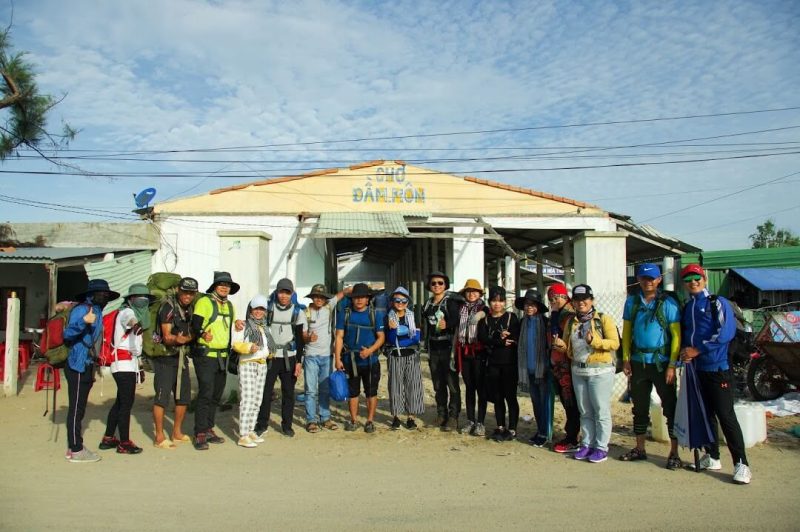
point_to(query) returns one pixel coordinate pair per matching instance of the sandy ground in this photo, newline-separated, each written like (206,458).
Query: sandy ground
(420,480)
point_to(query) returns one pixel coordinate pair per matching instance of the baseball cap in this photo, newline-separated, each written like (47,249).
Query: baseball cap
(648,269)
(557,289)
(259,301)
(582,291)
(188,284)
(285,284)
(693,269)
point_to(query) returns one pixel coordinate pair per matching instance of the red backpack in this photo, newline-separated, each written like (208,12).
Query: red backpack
(52,341)
(107,347)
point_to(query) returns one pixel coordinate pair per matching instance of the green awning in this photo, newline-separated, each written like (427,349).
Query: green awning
(360,224)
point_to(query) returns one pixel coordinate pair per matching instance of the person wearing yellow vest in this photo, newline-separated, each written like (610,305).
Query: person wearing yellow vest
(211,323)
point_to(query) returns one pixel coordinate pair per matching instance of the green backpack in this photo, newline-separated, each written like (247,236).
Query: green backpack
(162,285)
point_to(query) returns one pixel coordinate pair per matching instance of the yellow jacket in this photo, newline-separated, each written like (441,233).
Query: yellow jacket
(603,343)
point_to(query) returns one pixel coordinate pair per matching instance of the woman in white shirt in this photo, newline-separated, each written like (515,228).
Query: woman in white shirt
(133,318)
(255,347)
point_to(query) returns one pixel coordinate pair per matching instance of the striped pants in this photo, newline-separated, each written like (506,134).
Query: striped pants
(251,389)
(405,385)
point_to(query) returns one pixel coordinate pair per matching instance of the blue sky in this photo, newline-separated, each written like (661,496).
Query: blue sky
(181,75)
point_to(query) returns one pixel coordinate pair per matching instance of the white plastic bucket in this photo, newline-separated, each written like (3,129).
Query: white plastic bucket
(658,423)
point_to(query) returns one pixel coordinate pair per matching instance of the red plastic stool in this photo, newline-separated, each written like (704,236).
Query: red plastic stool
(24,355)
(47,378)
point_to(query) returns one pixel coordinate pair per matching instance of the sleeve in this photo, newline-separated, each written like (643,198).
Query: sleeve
(514,328)
(202,312)
(380,321)
(332,302)
(76,326)
(483,332)
(610,338)
(127,318)
(391,334)
(340,319)
(725,327)
(627,339)
(626,310)
(239,344)
(675,343)
(300,323)
(452,315)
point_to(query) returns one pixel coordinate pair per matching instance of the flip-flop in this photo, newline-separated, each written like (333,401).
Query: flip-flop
(165,444)
(185,439)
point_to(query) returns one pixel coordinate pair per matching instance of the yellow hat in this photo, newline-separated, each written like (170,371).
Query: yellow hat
(472,284)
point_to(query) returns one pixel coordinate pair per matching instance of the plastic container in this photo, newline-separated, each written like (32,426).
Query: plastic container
(658,423)
(753,420)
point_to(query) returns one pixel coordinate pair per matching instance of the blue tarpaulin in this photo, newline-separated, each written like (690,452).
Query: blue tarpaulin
(771,279)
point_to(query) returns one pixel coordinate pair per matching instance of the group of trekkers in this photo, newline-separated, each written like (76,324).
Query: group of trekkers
(567,349)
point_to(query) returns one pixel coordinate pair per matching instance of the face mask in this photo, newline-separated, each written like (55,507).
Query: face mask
(140,302)
(100,298)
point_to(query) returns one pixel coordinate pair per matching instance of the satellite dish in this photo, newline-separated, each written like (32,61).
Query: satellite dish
(143,198)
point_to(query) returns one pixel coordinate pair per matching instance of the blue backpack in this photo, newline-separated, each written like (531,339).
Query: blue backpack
(339,389)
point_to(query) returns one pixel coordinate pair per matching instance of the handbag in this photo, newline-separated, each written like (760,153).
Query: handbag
(233,362)
(339,389)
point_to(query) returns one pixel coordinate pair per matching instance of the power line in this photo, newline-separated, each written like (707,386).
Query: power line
(760,216)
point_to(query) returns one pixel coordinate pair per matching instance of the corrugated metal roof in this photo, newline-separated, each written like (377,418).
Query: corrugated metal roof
(766,279)
(51,254)
(361,224)
(786,257)
(121,273)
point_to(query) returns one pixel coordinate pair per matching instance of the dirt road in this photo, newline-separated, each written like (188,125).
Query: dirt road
(421,480)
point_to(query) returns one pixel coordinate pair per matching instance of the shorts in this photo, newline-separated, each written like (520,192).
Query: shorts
(368,376)
(166,379)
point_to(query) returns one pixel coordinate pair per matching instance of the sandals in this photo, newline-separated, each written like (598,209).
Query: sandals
(330,425)
(313,428)
(633,455)
(165,444)
(673,463)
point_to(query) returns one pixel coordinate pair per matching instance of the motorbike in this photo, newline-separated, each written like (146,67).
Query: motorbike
(775,365)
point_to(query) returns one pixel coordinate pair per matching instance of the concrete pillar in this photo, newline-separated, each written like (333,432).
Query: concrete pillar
(435,254)
(499,273)
(540,269)
(668,274)
(12,346)
(600,263)
(567,262)
(448,260)
(467,256)
(245,254)
(510,278)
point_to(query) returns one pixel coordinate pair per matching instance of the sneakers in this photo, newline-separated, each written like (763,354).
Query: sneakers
(128,447)
(200,442)
(83,456)
(396,423)
(260,433)
(480,430)
(509,435)
(255,437)
(706,462)
(469,428)
(350,426)
(598,456)
(369,427)
(565,447)
(246,441)
(211,437)
(583,453)
(288,432)
(411,424)
(537,440)
(741,473)
(108,442)
(497,435)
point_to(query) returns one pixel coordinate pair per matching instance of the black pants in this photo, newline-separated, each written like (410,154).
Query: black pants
(643,378)
(120,414)
(211,375)
(445,379)
(78,387)
(567,397)
(474,373)
(504,386)
(717,390)
(277,370)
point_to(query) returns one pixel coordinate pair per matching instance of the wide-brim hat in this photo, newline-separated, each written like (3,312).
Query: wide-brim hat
(360,290)
(439,274)
(531,296)
(318,290)
(471,284)
(97,285)
(140,290)
(223,277)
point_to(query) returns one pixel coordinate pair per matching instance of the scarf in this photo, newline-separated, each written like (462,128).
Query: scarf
(255,331)
(141,309)
(536,325)
(585,322)
(467,326)
(412,327)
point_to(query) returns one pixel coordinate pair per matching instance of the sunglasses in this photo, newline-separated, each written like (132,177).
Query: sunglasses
(437,283)
(400,301)
(691,278)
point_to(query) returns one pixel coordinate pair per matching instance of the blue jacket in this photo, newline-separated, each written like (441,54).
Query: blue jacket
(81,337)
(711,339)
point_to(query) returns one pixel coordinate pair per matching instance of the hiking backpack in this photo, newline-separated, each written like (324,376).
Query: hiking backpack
(598,325)
(162,285)
(107,347)
(52,342)
(658,314)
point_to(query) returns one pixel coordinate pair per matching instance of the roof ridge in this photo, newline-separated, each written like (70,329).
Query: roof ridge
(530,192)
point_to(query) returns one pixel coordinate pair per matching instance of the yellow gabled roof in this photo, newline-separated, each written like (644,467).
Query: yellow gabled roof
(379,186)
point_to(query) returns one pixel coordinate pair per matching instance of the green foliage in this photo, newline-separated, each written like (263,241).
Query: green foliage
(24,108)
(767,236)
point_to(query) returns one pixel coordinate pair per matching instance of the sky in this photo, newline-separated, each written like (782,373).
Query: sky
(588,100)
